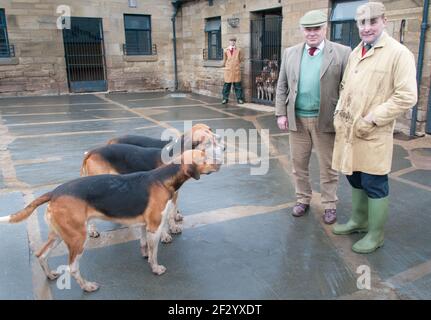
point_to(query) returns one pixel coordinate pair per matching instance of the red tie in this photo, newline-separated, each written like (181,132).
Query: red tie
(365,48)
(312,50)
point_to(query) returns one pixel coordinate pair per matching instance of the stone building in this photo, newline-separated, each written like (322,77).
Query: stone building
(128,45)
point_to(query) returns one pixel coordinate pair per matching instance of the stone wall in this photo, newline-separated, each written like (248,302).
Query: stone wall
(207,78)
(39,66)
(412,11)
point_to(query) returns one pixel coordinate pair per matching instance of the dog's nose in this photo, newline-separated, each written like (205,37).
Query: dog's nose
(218,138)
(222,146)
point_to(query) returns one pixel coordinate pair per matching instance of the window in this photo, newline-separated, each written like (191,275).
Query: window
(213,31)
(138,34)
(343,24)
(4,42)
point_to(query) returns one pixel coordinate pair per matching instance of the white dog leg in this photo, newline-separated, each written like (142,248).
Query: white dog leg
(153,239)
(43,258)
(84,284)
(144,247)
(178,217)
(92,230)
(174,227)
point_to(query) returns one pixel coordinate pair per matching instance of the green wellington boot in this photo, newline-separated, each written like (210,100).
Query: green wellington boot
(377,216)
(358,222)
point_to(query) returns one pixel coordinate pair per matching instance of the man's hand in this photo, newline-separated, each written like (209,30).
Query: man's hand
(282,123)
(369,118)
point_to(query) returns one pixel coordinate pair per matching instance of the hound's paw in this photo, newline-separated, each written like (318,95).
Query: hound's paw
(92,231)
(159,269)
(179,217)
(175,229)
(90,286)
(94,234)
(144,251)
(166,237)
(53,275)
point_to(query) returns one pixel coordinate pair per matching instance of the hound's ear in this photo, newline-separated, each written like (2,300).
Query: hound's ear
(193,172)
(186,142)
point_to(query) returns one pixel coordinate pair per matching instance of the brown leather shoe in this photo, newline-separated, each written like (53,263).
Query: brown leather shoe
(300,209)
(330,216)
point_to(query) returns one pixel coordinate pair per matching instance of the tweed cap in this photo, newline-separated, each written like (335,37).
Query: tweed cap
(314,18)
(370,10)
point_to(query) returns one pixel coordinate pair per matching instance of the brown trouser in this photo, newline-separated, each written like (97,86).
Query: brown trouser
(301,143)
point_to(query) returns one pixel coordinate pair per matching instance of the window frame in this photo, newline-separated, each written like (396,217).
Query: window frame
(350,22)
(3,29)
(139,51)
(217,45)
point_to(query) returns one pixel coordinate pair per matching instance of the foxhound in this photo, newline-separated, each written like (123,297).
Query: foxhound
(142,198)
(120,158)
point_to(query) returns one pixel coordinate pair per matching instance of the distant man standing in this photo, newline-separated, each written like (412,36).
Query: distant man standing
(378,86)
(232,58)
(306,96)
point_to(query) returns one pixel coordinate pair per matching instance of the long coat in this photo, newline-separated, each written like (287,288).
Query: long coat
(382,83)
(334,61)
(232,64)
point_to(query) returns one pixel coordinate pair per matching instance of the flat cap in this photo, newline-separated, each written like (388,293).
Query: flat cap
(314,18)
(370,10)
(232,38)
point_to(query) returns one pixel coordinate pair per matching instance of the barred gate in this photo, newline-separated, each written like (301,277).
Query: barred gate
(85,55)
(265,57)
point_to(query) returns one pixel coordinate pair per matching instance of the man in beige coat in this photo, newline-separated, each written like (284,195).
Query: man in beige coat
(379,84)
(306,96)
(232,58)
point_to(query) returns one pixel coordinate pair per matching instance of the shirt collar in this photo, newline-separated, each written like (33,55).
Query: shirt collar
(319,47)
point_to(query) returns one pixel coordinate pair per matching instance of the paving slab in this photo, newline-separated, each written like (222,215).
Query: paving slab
(16,273)
(422,177)
(240,240)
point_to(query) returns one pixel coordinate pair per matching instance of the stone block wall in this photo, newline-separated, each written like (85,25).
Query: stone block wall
(200,77)
(39,65)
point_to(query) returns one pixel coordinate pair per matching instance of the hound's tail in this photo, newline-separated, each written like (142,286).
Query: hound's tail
(27,211)
(84,171)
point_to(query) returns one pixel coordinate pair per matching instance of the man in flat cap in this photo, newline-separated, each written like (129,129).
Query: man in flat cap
(232,58)
(379,84)
(306,96)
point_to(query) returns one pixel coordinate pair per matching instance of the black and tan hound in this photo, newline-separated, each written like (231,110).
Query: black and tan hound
(142,198)
(120,158)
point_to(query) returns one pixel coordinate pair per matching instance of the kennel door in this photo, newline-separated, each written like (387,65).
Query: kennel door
(265,57)
(85,55)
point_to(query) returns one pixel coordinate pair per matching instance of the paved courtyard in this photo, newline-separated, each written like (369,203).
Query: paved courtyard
(239,240)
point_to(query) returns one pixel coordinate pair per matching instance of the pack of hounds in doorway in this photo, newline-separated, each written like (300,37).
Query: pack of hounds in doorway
(266,80)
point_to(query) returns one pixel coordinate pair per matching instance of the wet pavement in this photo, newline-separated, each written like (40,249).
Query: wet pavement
(239,240)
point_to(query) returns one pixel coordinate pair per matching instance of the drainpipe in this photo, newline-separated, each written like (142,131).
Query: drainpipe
(177,5)
(424,27)
(428,127)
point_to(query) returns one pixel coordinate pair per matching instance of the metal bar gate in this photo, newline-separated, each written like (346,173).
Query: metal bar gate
(85,55)
(265,57)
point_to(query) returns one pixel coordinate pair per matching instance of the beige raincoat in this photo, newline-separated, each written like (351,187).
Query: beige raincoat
(232,64)
(382,83)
